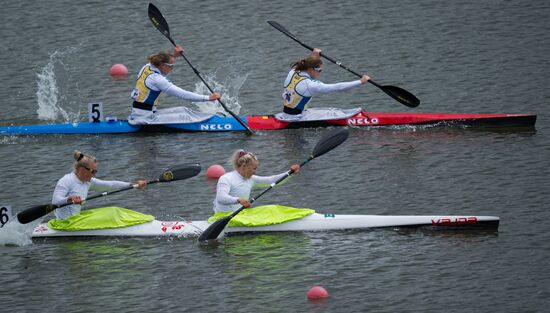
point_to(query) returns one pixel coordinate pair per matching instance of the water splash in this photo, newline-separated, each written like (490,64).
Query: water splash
(16,234)
(225,81)
(48,93)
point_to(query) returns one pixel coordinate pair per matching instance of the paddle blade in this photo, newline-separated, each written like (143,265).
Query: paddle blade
(401,95)
(159,21)
(215,229)
(280,28)
(179,172)
(329,141)
(283,30)
(34,213)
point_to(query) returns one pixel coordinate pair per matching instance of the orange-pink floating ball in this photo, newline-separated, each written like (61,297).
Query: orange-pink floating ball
(118,70)
(215,171)
(316,293)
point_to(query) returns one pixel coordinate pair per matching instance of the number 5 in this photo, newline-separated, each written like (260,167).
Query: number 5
(95,112)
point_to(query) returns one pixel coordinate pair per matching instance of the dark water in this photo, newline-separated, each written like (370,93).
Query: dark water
(460,56)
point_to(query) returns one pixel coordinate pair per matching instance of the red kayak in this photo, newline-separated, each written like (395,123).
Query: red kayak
(372,119)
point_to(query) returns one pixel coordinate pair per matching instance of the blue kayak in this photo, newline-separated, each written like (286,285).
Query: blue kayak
(214,124)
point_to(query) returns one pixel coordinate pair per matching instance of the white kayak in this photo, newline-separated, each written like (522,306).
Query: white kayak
(313,222)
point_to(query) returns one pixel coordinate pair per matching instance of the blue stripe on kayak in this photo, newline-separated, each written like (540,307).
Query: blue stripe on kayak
(72,128)
(213,124)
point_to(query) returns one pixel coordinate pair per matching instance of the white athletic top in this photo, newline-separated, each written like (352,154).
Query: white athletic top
(158,82)
(311,87)
(232,186)
(71,185)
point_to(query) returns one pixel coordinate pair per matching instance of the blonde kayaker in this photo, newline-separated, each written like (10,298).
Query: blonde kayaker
(74,186)
(233,189)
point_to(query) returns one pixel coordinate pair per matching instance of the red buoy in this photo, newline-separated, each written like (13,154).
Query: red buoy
(316,293)
(215,171)
(118,70)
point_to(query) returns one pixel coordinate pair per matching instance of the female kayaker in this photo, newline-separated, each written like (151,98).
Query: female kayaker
(73,187)
(151,82)
(301,83)
(233,189)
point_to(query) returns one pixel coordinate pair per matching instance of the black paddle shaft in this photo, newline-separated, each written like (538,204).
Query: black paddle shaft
(161,24)
(403,96)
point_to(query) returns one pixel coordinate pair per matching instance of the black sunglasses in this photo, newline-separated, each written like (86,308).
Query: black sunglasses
(93,172)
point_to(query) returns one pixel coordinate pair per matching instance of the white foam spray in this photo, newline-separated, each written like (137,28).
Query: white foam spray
(16,234)
(228,84)
(48,93)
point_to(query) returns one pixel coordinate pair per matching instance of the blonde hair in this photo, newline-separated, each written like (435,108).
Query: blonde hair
(159,58)
(83,160)
(305,64)
(242,158)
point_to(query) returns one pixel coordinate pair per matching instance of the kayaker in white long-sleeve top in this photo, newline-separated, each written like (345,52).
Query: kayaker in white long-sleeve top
(233,189)
(73,187)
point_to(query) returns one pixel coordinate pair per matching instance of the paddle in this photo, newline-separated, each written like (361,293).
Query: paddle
(329,141)
(397,93)
(160,23)
(178,172)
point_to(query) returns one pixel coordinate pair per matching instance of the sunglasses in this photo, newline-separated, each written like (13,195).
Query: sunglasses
(93,172)
(318,69)
(170,65)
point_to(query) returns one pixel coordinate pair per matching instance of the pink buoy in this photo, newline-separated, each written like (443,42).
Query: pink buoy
(118,70)
(316,293)
(215,171)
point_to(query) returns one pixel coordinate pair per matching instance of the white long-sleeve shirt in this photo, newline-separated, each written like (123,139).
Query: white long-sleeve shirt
(156,81)
(311,87)
(71,185)
(232,186)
